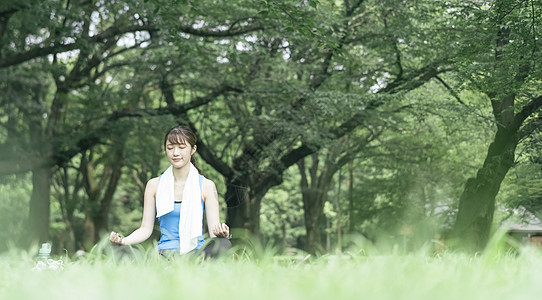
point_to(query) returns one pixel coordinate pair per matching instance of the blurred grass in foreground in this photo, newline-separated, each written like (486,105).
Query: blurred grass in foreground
(347,276)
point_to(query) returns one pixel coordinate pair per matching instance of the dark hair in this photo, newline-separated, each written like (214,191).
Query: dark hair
(182,135)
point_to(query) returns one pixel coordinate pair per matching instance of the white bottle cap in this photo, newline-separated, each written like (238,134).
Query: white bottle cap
(45,249)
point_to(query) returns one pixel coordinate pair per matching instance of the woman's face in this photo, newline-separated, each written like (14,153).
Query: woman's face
(179,154)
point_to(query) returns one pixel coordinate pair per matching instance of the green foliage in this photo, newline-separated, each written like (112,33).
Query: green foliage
(407,183)
(296,71)
(522,189)
(282,216)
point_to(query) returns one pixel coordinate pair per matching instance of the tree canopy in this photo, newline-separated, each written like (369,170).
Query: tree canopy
(316,119)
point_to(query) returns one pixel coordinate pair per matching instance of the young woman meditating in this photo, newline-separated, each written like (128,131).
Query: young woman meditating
(178,198)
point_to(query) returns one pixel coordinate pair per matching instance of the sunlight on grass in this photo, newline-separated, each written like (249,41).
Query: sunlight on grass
(145,275)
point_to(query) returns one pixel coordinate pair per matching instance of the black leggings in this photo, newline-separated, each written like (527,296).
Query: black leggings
(216,247)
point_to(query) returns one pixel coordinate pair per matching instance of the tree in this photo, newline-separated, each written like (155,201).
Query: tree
(509,80)
(76,47)
(265,85)
(39,29)
(285,110)
(316,185)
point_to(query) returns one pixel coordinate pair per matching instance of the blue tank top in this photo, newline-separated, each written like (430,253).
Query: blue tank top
(169,227)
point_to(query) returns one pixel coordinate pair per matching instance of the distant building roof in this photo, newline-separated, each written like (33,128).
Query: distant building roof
(529,224)
(527,228)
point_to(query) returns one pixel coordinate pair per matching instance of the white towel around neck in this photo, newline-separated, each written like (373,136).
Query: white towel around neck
(191,218)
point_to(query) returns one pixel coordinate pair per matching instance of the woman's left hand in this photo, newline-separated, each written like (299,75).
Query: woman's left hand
(221,230)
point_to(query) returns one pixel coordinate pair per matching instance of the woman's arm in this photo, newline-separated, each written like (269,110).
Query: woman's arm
(210,198)
(147,222)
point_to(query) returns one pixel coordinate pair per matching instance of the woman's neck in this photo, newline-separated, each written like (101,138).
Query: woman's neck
(182,173)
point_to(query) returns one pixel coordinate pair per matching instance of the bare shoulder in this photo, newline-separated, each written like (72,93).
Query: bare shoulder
(208,185)
(208,189)
(152,184)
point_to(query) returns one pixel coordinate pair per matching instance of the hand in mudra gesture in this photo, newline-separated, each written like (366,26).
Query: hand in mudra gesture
(115,238)
(221,230)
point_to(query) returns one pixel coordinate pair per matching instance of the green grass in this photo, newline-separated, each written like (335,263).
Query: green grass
(413,276)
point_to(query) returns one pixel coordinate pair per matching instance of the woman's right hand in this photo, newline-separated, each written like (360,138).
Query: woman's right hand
(115,238)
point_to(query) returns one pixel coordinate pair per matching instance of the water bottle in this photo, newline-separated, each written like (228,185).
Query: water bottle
(44,257)
(45,262)
(45,252)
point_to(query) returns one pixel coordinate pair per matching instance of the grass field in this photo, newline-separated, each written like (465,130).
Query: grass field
(376,276)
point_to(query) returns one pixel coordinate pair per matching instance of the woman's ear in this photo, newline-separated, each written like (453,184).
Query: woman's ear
(194,149)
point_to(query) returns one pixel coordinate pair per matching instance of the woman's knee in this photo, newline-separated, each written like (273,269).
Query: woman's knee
(217,246)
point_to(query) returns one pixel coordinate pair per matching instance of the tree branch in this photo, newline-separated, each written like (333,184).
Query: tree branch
(452,92)
(220,33)
(350,10)
(420,77)
(527,111)
(55,49)
(204,151)
(530,127)
(415,79)
(34,53)
(113,31)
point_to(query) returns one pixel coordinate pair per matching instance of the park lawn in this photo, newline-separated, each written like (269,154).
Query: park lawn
(346,276)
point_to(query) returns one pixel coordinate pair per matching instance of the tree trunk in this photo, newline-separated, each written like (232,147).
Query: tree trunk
(102,217)
(237,202)
(243,207)
(477,203)
(99,204)
(254,216)
(328,235)
(89,232)
(339,216)
(38,216)
(39,210)
(69,239)
(314,198)
(351,196)
(314,195)
(313,204)
(67,196)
